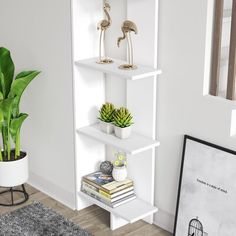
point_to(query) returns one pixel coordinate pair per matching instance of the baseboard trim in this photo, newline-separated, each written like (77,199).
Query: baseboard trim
(164,220)
(61,195)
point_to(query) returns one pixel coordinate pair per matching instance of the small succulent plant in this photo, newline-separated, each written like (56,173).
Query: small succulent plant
(106,112)
(122,118)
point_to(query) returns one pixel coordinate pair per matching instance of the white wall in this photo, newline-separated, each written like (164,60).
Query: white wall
(182,108)
(39,35)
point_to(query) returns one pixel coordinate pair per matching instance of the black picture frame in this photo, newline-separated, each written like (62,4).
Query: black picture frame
(194,223)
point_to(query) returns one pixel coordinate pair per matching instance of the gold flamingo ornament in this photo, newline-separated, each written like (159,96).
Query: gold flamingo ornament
(128,27)
(103,26)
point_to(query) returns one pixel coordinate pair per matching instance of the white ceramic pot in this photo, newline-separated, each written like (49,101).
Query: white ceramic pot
(119,173)
(106,127)
(123,133)
(14,173)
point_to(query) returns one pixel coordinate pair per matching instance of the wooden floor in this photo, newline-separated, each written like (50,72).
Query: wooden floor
(94,219)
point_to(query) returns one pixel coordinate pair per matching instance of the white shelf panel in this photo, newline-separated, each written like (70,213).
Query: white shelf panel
(131,211)
(134,144)
(140,73)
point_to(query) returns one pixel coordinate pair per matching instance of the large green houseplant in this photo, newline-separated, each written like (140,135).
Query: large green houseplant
(11,120)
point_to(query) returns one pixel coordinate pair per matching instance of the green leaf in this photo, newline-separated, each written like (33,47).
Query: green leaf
(16,124)
(1,119)
(7,68)
(5,110)
(18,87)
(1,96)
(106,112)
(122,118)
(2,85)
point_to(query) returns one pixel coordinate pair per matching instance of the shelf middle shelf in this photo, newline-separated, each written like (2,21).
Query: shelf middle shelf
(135,144)
(112,69)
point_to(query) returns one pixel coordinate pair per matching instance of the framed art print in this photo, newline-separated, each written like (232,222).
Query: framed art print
(206,204)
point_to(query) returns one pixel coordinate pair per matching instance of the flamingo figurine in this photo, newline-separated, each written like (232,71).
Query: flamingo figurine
(128,27)
(103,26)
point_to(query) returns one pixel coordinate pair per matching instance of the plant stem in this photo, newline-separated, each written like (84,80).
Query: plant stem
(8,144)
(4,139)
(17,145)
(1,159)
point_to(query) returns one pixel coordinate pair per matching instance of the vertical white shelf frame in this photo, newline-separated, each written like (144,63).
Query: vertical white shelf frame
(89,94)
(144,107)
(86,83)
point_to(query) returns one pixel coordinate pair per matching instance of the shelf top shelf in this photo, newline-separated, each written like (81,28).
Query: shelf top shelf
(112,69)
(135,144)
(131,211)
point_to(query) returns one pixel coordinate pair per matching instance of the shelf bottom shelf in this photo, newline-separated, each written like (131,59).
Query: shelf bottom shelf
(131,211)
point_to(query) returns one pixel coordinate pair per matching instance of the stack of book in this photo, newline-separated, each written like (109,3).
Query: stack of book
(105,189)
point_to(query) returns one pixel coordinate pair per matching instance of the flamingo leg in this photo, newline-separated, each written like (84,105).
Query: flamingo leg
(130,65)
(104,48)
(100,46)
(130,49)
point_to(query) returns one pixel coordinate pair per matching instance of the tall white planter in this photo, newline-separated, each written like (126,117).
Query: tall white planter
(14,173)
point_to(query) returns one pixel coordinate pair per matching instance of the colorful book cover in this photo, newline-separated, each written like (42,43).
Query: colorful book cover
(98,178)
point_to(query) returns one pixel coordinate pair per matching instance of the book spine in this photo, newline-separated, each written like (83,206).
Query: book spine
(90,183)
(122,192)
(105,194)
(106,190)
(123,202)
(96,197)
(113,205)
(94,185)
(119,193)
(90,186)
(121,188)
(123,196)
(84,187)
(115,184)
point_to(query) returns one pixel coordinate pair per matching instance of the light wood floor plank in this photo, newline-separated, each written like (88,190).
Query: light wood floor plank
(93,219)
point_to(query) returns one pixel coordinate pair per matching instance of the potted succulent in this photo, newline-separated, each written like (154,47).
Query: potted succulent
(122,121)
(119,172)
(106,117)
(13,161)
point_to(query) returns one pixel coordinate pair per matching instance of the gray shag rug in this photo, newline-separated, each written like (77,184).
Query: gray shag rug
(37,220)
